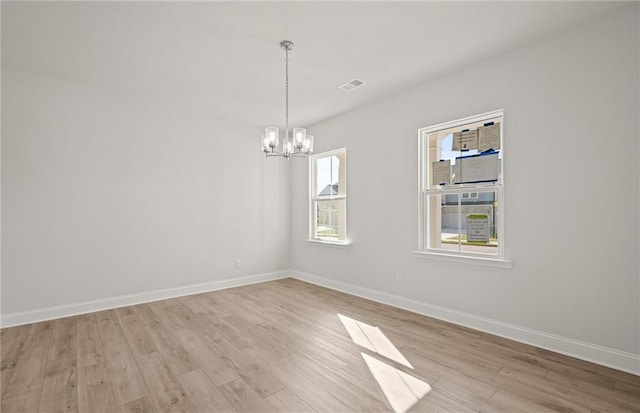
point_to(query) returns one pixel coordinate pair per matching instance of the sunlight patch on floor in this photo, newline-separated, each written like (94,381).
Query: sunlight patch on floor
(373,339)
(401,389)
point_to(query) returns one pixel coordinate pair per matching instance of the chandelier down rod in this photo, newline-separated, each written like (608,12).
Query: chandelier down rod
(287,46)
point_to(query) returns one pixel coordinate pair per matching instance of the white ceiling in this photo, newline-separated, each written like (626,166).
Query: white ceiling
(224,57)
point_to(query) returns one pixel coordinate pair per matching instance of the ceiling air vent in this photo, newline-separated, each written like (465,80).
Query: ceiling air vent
(352,84)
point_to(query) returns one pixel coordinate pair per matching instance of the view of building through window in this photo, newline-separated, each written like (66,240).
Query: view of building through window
(461,215)
(456,208)
(328,201)
(455,211)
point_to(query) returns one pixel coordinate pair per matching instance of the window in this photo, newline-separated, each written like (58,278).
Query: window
(461,186)
(328,196)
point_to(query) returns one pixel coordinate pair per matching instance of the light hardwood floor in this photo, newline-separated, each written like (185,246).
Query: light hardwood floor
(289,346)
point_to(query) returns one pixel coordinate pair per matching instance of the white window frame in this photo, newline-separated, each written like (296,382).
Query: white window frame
(424,191)
(313,199)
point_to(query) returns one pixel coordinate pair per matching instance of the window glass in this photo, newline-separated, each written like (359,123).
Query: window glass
(461,186)
(328,203)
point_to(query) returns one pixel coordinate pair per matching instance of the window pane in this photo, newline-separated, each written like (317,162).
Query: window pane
(464,223)
(331,219)
(478,225)
(328,181)
(462,214)
(327,176)
(444,227)
(439,146)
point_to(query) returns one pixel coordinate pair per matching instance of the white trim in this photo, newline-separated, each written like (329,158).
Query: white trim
(424,178)
(329,198)
(339,244)
(463,189)
(465,259)
(328,153)
(594,353)
(60,311)
(469,119)
(312,191)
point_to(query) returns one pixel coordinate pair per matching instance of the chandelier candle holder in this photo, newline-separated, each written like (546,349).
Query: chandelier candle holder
(299,143)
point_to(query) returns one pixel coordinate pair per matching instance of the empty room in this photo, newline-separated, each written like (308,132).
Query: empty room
(320,206)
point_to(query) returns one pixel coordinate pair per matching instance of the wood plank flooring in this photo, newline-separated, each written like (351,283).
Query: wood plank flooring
(289,346)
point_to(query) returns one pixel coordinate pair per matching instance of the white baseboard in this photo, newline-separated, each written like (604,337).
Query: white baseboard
(605,356)
(51,313)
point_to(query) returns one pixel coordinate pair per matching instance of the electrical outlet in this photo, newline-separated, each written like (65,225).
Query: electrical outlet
(236,264)
(398,277)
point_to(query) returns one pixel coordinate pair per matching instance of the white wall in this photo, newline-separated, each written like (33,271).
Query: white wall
(106,194)
(571,167)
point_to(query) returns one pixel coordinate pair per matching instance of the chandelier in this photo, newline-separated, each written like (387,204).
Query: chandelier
(299,144)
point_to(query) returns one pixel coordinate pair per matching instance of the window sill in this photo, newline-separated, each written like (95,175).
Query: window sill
(335,244)
(465,259)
